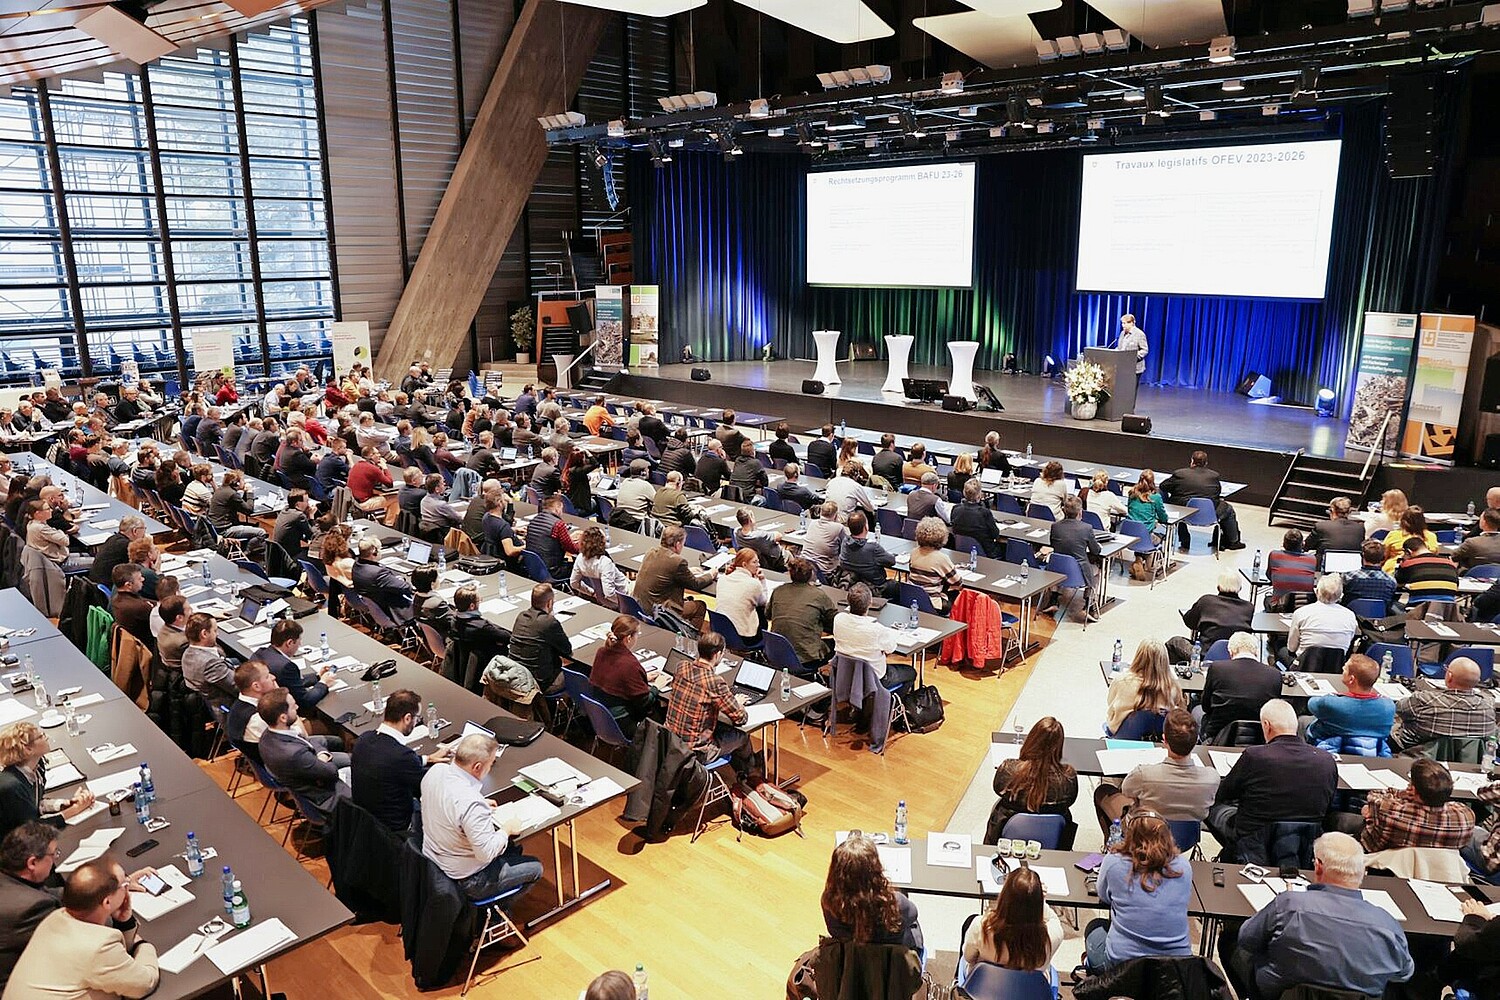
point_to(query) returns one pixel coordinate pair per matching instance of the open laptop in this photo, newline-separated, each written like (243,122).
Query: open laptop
(990,477)
(608,483)
(250,615)
(507,454)
(754,680)
(1341,560)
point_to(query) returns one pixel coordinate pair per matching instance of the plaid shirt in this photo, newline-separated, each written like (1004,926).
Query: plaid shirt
(1370,583)
(1490,849)
(1400,819)
(1427,715)
(698,696)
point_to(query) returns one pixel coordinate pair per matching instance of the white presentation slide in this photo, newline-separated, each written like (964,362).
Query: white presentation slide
(897,227)
(1249,220)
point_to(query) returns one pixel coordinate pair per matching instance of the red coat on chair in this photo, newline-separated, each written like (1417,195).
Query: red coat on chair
(983,640)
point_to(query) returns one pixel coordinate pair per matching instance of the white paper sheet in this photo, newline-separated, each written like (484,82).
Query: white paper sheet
(67,774)
(532,811)
(985,872)
(106,752)
(1125,761)
(84,701)
(1257,895)
(1438,900)
(249,945)
(897,863)
(183,954)
(1004,751)
(13,710)
(809,689)
(1390,779)
(600,789)
(1223,761)
(120,781)
(1468,781)
(1382,899)
(1393,691)
(1358,776)
(950,850)
(149,907)
(552,771)
(1054,880)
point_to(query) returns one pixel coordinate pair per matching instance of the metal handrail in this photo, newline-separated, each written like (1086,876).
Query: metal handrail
(581,355)
(1379,449)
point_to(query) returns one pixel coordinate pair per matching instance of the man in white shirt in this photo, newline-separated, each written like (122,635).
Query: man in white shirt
(459,831)
(864,638)
(849,493)
(1326,623)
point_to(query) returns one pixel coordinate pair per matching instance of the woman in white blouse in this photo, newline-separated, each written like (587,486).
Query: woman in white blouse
(1099,499)
(595,565)
(1050,488)
(742,593)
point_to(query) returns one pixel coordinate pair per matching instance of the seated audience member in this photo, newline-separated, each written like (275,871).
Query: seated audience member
(748,475)
(230,509)
(859,903)
(824,540)
(1326,936)
(27,856)
(1388,517)
(333,468)
(500,538)
(286,639)
(1070,536)
(1102,501)
(437,515)
(460,833)
(115,549)
(1323,624)
(1425,574)
(307,770)
(23,780)
(1199,482)
(865,560)
(961,473)
(792,489)
(1236,688)
(916,465)
(822,451)
(765,545)
(204,668)
(1361,711)
(132,611)
(1370,582)
(1283,780)
(381,584)
(1049,488)
(849,490)
(780,450)
(925,501)
(886,463)
(1177,788)
(548,536)
(594,567)
(700,695)
(1019,931)
(172,639)
(411,492)
(199,491)
(144,553)
(1483,548)
(678,455)
(1337,531)
(931,567)
(802,613)
(1413,525)
(368,477)
(665,576)
(711,468)
(636,496)
(973,518)
(1143,504)
(1292,570)
(1037,781)
(477,633)
(1148,885)
(618,677)
(385,772)
(742,593)
(1147,685)
(538,642)
(1457,710)
(91,948)
(597,417)
(1221,614)
(578,481)
(293,530)
(857,635)
(671,505)
(1421,815)
(427,606)
(243,725)
(50,540)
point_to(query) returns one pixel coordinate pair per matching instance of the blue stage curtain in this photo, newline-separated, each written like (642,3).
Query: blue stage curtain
(725,243)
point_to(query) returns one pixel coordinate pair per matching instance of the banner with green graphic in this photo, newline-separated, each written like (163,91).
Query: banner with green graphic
(1380,379)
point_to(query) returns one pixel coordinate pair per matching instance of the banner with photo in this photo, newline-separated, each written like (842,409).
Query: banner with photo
(1380,379)
(351,345)
(1444,343)
(645,306)
(609,326)
(213,350)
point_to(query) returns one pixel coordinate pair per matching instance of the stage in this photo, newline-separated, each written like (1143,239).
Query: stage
(1247,442)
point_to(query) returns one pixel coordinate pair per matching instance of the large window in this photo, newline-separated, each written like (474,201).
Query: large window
(140,209)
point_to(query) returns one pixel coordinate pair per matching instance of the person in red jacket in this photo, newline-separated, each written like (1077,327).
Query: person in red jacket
(368,477)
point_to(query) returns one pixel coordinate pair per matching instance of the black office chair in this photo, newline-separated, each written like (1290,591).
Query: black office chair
(1240,733)
(1322,660)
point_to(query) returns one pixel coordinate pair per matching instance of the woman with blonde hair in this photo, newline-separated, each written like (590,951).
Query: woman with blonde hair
(1388,517)
(1147,884)
(1413,525)
(1147,685)
(23,780)
(1103,501)
(859,904)
(962,472)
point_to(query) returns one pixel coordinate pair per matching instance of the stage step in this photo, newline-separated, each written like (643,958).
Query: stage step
(598,380)
(1310,484)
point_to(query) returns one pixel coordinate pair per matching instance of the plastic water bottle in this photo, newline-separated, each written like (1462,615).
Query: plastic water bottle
(194,856)
(376,698)
(227,890)
(1118,660)
(70,716)
(142,805)
(1469,510)
(39,691)
(900,837)
(432,717)
(239,909)
(786,686)
(208,577)
(606,533)
(1196,663)
(1025,572)
(1385,666)
(973,558)
(877,529)
(802,524)
(78,491)
(1255,566)
(843,430)
(405,546)
(29,666)
(504,587)
(1028,451)
(915,621)
(639,981)
(323,644)
(442,561)
(147,785)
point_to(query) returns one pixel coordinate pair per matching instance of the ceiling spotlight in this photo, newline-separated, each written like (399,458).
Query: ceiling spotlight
(844,121)
(1135,95)
(1044,128)
(1034,99)
(951,136)
(1208,116)
(1117,40)
(1232,86)
(1068,47)
(1221,49)
(953,83)
(997,131)
(1095,124)
(1091,42)
(971,111)
(729,147)
(834,147)
(872,142)
(1046,50)
(616,129)
(1270,110)
(676,143)
(695,101)
(856,76)
(908,122)
(1361,8)
(1015,109)
(760,108)
(600,160)
(806,140)
(570,119)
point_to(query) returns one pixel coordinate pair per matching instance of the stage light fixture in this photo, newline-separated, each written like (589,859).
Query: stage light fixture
(729,147)
(1068,47)
(1044,128)
(872,143)
(1208,116)
(1361,8)
(855,76)
(1270,110)
(569,119)
(970,111)
(676,143)
(1092,42)
(1232,86)
(1034,99)
(1015,110)
(597,155)
(775,133)
(1095,124)
(1489,15)
(806,140)
(834,147)
(844,121)
(909,125)
(760,108)
(1326,400)
(997,132)
(616,129)
(950,136)
(696,101)
(1135,95)
(1046,50)
(1050,367)
(1221,49)
(953,83)
(1393,6)
(1117,39)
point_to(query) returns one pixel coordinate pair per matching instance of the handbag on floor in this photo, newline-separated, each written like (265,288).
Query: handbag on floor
(924,709)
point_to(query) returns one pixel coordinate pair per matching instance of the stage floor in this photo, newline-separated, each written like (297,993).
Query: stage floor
(1189,415)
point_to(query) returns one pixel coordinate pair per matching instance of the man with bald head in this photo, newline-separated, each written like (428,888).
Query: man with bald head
(1458,710)
(1491,502)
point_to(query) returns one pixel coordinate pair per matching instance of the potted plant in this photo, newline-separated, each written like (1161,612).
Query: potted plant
(1087,387)
(522,332)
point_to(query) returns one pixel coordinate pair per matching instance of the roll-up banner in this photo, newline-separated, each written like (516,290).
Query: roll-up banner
(1380,379)
(1444,343)
(351,345)
(609,326)
(644,315)
(213,349)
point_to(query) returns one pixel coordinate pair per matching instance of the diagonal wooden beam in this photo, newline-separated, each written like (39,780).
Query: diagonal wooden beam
(543,65)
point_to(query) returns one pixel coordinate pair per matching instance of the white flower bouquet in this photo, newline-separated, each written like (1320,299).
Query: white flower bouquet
(1086,383)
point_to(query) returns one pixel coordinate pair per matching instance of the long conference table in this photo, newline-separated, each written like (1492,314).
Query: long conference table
(280,891)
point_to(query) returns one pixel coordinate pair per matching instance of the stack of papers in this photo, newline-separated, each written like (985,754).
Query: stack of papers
(250,946)
(1390,779)
(12,710)
(1314,685)
(1382,899)
(105,752)
(66,774)
(1443,630)
(532,811)
(551,772)
(761,714)
(89,848)
(1396,692)
(1468,781)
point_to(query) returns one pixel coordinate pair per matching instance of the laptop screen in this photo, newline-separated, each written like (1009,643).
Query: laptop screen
(419,553)
(675,659)
(1340,561)
(470,729)
(756,676)
(990,477)
(508,454)
(250,610)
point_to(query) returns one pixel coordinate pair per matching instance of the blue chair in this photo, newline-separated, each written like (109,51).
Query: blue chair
(791,507)
(606,727)
(498,926)
(633,607)
(1093,520)
(1073,579)
(1142,724)
(1040,511)
(1019,551)
(890,520)
(776,649)
(715,791)
(606,508)
(1451,536)
(1379,536)
(771,497)
(987,981)
(1007,504)
(698,538)
(1204,515)
(1188,833)
(1401,657)
(1482,655)
(1367,607)
(811,469)
(1042,827)
(1218,651)
(720,623)
(1485,571)
(911,592)
(534,568)
(1145,545)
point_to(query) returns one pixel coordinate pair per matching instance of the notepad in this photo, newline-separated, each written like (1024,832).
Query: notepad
(149,907)
(809,689)
(57,777)
(1126,760)
(1357,776)
(117,782)
(1390,779)
(1439,628)
(1438,900)
(1395,692)
(897,863)
(531,812)
(1000,752)
(552,771)
(12,710)
(950,850)
(105,752)
(1382,899)
(1223,761)
(251,945)
(762,714)
(1257,895)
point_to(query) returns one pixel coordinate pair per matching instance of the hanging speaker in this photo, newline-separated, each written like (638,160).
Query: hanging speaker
(701,375)
(812,387)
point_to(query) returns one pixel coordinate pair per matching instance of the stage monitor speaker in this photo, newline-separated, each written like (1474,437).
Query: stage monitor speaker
(1134,423)
(957,404)
(1489,395)
(701,374)
(1255,385)
(864,352)
(1490,457)
(812,387)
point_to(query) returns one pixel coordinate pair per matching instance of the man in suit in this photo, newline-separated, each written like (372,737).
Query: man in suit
(292,530)
(478,634)
(205,669)
(1199,482)
(409,496)
(333,468)
(26,858)
(887,461)
(243,727)
(711,468)
(767,546)
(792,489)
(1476,550)
(1337,531)
(1221,614)
(1072,537)
(286,637)
(975,519)
(297,463)
(665,576)
(925,502)
(1236,688)
(90,949)
(116,548)
(381,583)
(824,452)
(210,432)
(307,770)
(132,611)
(386,773)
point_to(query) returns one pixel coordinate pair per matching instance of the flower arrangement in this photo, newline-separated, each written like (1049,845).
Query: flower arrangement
(1086,383)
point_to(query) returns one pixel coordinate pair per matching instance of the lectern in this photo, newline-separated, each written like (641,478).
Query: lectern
(1119,372)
